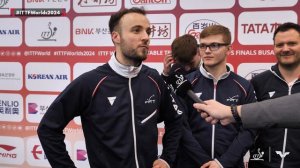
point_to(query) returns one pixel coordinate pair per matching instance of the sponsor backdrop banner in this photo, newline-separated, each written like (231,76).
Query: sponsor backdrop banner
(45,44)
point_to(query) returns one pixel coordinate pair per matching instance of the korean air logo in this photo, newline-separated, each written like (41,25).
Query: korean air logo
(197,26)
(32,108)
(47,76)
(37,152)
(81,155)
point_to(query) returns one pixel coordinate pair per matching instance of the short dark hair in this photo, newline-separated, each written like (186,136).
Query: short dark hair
(285,27)
(184,48)
(216,30)
(116,17)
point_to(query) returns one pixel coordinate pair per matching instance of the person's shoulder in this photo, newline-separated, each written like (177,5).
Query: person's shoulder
(149,71)
(243,81)
(95,74)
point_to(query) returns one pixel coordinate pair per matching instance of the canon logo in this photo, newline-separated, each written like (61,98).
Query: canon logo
(150,1)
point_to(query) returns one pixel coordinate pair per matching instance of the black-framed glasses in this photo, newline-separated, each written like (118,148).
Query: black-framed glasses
(212,46)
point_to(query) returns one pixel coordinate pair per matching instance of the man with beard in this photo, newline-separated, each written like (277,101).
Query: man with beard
(279,147)
(120,104)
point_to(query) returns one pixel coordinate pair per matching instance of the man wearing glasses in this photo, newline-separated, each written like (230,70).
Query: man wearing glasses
(219,146)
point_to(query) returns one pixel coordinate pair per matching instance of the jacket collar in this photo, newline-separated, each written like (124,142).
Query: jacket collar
(123,70)
(206,74)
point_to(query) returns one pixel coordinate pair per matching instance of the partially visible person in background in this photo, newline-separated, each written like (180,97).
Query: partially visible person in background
(279,145)
(184,51)
(268,113)
(219,146)
(120,104)
(185,55)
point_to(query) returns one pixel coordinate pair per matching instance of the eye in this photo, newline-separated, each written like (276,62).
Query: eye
(292,43)
(202,46)
(279,45)
(214,45)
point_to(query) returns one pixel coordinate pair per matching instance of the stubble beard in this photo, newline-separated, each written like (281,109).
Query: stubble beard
(133,54)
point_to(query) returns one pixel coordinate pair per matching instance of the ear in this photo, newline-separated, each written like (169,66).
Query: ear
(229,49)
(115,36)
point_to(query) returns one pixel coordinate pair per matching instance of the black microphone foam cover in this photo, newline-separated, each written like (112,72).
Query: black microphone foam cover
(177,81)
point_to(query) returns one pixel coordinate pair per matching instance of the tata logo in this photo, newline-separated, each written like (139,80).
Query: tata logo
(197,26)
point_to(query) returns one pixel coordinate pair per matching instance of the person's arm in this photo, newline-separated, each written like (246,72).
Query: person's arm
(171,114)
(50,130)
(280,112)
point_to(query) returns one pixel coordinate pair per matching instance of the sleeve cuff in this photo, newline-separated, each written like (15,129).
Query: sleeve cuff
(166,162)
(218,163)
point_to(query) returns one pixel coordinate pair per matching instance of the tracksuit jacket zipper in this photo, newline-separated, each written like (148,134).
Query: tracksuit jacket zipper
(283,154)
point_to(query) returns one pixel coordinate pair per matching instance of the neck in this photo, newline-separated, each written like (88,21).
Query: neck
(289,74)
(216,71)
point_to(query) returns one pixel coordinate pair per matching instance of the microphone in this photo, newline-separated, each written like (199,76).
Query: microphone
(180,85)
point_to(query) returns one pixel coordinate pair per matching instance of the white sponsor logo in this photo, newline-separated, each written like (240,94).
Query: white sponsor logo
(163,29)
(7,5)
(92,6)
(194,23)
(35,153)
(271,94)
(37,105)
(42,76)
(11,107)
(111,100)
(258,156)
(11,76)
(258,27)
(64,4)
(10,32)
(266,3)
(48,31)
(80,154)
(282,155)
(204,4)
(152,5)
(90,31)
(249,70)
(12,150)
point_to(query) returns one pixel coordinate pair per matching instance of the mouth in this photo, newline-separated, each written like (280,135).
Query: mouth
(144,46)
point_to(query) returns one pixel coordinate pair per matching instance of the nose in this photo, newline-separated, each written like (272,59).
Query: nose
(145,36)
(285,47)
(207,48)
